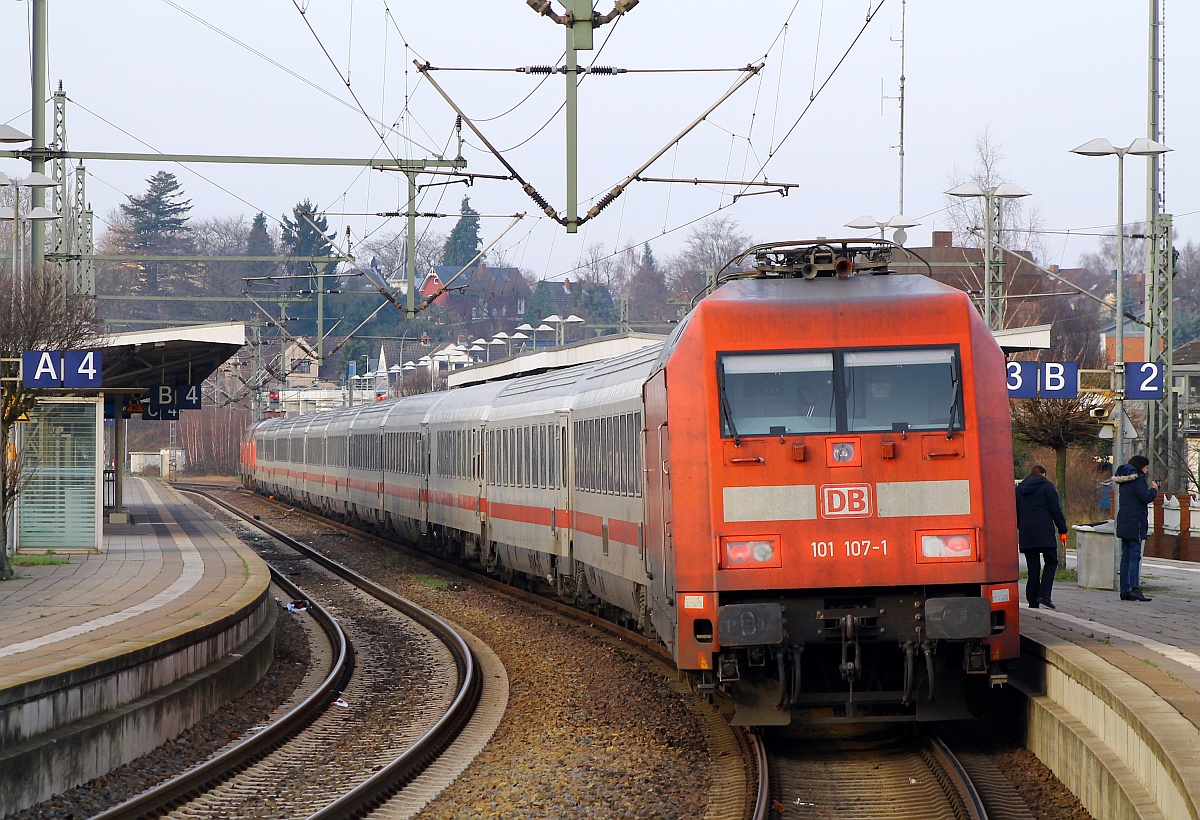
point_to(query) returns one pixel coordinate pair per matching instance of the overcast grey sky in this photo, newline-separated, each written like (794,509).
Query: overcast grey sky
(1040,77)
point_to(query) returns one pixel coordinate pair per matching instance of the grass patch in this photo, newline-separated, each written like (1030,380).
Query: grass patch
(48,560)
(1067,574)
(1060,574)
(436,583)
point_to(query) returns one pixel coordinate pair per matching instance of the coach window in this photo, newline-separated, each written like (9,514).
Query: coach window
(901,390)
(777,394)
(506,455)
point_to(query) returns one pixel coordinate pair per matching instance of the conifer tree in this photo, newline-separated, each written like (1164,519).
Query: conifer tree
(463,243)
(159,222)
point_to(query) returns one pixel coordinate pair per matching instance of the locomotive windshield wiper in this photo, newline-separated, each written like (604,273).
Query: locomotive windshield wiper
(727,415)
(957,382)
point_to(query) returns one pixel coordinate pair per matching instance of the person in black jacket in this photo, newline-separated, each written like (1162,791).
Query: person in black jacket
(1133,522)
(1038,514)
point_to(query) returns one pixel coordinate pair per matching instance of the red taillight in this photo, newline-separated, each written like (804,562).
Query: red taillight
(743,552)
(946,546)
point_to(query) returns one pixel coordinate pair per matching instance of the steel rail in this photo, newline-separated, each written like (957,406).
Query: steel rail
(959,779)
(199,778)
(753,749)
(390,779)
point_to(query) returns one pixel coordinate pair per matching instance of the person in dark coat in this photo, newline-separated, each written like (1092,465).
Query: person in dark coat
(1133,522)
(1039,513)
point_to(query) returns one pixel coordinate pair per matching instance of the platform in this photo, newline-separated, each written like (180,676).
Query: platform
(171,619)
(1118,710)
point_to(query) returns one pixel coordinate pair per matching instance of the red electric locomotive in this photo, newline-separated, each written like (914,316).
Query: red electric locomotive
(805,492)
(829,514)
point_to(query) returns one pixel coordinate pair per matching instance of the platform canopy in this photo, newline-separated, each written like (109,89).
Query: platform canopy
(1019,339)
(174,355)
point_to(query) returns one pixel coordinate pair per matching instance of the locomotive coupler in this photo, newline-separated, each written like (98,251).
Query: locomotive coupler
(850,668)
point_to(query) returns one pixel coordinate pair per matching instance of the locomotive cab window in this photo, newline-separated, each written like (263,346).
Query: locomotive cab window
(859,391)
(777,394)
(901,390)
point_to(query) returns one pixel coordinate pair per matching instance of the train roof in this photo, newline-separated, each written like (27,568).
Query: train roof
(858,290)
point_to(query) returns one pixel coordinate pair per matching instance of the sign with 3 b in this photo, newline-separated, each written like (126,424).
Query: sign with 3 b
(1049,380)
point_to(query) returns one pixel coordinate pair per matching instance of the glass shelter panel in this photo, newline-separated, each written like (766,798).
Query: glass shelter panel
(59,508)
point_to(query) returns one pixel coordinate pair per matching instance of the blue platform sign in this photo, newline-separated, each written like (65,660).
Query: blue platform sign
(161,404)
(1060,380)
(53,368)
(41,368)
(1022,380)
(1049,380)
(81,368)
(1144,380)
(187,396)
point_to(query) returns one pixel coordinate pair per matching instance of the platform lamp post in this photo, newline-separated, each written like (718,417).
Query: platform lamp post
(570,320)
(503,338)
(528,328)
(35,214)
(897,221)
(993,259)
(541,328)
(492,344)
(1100,147)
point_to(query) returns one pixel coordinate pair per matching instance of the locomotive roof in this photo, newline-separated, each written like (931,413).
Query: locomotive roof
(831,289)
(866,291)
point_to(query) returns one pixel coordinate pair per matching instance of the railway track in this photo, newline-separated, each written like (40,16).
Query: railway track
(880,771)
(327,757)
(733,787)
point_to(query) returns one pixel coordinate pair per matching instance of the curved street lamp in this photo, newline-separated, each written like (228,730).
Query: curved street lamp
(897,221)
(1100,147)
(34,215)
(993,264)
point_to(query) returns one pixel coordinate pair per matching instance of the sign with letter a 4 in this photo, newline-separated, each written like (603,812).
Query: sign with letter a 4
(53,368)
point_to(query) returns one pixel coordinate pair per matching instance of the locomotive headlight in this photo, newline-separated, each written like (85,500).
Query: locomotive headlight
(742,552)
(843,451)
(947,546)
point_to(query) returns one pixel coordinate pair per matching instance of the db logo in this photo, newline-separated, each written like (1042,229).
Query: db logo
(846,501)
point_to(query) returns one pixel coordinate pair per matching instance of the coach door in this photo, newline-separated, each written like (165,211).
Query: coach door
(667,525)
(560,515)
(423,481)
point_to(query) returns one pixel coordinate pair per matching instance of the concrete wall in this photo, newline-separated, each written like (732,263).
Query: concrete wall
(59,732)
(1121,749)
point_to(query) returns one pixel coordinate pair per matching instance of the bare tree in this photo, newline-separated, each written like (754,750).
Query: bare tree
(709,245)
(1057,424)
(1021,228)
(596,266)
(212,438)
(36,313)
(388,248)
